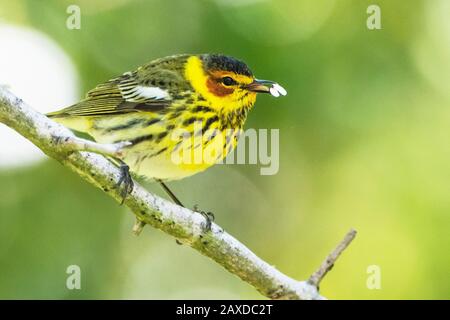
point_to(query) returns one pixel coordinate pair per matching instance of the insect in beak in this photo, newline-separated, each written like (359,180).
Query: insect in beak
(266,86)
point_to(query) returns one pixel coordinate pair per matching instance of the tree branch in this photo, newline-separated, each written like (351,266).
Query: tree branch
(328,263)
(185,225)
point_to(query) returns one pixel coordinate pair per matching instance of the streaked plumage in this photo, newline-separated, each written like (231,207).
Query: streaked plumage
(150,105)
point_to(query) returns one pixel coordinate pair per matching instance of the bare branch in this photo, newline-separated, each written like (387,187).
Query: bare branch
(328,263)
(185,225)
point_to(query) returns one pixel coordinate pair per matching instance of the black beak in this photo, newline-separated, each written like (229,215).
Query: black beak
(266,86)
(260,86)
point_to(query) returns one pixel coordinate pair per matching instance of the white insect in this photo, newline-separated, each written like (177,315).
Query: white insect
(276,90)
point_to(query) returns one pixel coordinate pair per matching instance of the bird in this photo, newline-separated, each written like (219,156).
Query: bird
(172,112)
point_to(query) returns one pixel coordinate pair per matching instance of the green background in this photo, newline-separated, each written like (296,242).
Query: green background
(364,143)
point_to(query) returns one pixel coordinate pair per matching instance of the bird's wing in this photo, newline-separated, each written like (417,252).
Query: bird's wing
(127,93)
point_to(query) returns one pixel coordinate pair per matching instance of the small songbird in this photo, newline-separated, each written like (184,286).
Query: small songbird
(167,110)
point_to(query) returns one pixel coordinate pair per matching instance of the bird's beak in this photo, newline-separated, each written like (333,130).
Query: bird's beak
(266,86)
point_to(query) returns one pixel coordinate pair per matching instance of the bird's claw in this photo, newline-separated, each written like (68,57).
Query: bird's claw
(209,218)
(126,180)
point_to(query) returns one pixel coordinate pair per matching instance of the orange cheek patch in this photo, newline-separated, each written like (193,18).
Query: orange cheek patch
(217,88)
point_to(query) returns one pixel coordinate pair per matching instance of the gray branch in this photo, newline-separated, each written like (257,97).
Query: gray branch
(328,263)
(185,225)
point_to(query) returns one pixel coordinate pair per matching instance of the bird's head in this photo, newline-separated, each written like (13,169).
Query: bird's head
(227,83)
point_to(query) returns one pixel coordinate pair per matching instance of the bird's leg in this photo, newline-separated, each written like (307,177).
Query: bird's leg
(170,193)
(114,150)
(209,216)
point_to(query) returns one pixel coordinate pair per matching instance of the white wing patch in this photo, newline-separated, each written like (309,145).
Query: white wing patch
(152,92)
(133,92)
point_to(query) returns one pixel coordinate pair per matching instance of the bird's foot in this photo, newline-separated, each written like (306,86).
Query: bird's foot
(126,180)
(209,218)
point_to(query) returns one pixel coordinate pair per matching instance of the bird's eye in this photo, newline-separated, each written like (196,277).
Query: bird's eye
(228,81)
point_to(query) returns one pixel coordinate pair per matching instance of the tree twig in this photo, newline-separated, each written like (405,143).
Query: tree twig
(329,261)
(185,225)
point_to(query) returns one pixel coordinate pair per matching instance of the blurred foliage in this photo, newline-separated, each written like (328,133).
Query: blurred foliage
(364,143)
